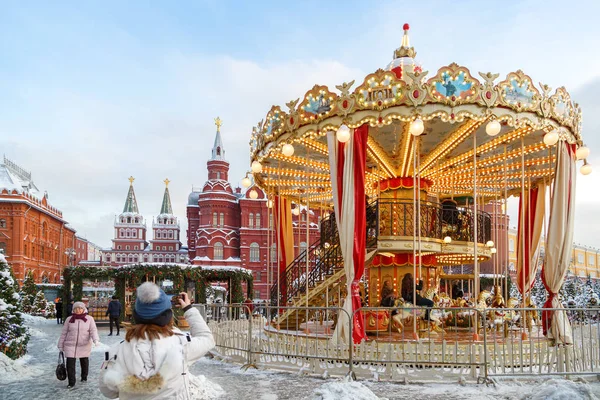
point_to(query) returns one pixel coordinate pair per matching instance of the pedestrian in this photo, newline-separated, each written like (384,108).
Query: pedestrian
(78,333)
(152,362)
(58,305)
(114,314)
(248,307)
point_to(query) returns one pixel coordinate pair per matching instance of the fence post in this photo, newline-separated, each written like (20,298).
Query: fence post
(249,362)
(351,373)
(485,348)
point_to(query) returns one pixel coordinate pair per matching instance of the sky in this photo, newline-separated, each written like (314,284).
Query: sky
(94,92)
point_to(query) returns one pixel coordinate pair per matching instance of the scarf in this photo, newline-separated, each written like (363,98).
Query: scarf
(78,316)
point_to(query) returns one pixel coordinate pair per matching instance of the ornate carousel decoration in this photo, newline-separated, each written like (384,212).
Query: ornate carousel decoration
(428,152)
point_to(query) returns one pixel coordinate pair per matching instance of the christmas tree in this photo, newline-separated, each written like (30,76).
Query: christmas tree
(28,293)
(13,333)
(538,292)
(40,305)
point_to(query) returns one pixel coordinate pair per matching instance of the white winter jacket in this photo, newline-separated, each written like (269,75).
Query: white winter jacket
(156,369)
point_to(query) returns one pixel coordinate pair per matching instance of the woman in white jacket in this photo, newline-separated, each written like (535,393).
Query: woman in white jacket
(152,362)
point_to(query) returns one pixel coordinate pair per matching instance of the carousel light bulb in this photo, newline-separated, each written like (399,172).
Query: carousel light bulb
(417,127)
(493,127)
(326,245)
(246,182)
(493,250)
(551,138)
(582,152)
(256,167)
(343,133)
(586,168)
(253,194)
(490,243)
(287,150)
(447,239)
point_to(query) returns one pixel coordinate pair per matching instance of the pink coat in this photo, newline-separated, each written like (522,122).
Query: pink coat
(76,338)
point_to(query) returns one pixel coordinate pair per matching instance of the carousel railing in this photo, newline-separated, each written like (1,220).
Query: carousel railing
(510,342)
(396,219)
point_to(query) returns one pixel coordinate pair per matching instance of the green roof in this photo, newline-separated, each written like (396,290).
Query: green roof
(166,203)
(131,203)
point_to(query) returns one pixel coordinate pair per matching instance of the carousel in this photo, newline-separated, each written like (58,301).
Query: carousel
(412,172)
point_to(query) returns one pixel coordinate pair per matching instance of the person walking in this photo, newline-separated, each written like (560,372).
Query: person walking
(78,333)
(114,314)
(152,362)
(58,305)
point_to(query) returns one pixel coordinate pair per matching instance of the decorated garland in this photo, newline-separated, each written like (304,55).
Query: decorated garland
(131,276)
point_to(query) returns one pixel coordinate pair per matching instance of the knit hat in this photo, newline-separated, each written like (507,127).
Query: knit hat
(152,305)
(79,304)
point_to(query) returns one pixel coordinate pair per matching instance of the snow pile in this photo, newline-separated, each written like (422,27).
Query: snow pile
(203,389)
(341,390)
(560,389)
(17,370)
(32,320)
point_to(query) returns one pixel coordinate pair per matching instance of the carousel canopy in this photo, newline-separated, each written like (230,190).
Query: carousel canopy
(468,121)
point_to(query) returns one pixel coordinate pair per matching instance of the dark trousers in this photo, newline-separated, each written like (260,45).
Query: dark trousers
(85,366)
(422,301)
(59,318)
(116,321)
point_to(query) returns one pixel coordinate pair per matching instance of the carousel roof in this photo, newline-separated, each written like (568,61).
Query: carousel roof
(470,121)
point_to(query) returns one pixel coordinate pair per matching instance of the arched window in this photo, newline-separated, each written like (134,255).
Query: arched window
(222,220)
(44,230)
(274,253)
(257,224)
(134,232)
(42,253)
(218,251)
(215,219)
(170,234)
(121,232)
(254,252)
(218,175)
(25,251)
(251,221)
(126,247)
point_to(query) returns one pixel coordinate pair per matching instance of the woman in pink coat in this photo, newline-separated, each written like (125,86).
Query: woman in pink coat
(78,333)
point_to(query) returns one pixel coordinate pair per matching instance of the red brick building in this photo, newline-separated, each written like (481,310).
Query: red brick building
(228,228)
(130,244)
(33,234)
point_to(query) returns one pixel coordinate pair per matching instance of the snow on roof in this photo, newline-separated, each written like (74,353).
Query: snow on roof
(153,264)
(13,177)
(218,288)
(226,268)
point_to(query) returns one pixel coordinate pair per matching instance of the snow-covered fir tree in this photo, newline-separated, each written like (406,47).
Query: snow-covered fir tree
(538,292)
(585,294)
(13,333)
(28,293)
(40,305)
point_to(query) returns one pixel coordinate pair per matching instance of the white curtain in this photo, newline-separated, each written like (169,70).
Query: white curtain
(558,247)
(345,222)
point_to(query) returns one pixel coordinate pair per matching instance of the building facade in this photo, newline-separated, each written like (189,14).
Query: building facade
(228,228)
(130,244)
(584,259)
(33,234)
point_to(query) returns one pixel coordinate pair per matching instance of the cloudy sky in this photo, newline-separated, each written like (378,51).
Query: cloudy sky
(93,92)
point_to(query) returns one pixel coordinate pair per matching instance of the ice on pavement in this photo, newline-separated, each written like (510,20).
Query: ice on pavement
(344,389)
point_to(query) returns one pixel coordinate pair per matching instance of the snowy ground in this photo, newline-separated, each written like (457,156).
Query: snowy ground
(33,378)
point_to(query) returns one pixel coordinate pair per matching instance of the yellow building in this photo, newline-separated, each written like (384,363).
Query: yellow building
(585,260)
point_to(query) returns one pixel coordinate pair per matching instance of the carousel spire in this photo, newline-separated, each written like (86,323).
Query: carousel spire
(405,50)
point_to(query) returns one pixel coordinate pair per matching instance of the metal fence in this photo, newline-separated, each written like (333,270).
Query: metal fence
(406,345)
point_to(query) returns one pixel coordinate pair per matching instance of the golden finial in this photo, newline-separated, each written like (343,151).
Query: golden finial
(131,179)
(218,123)
(167,181)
